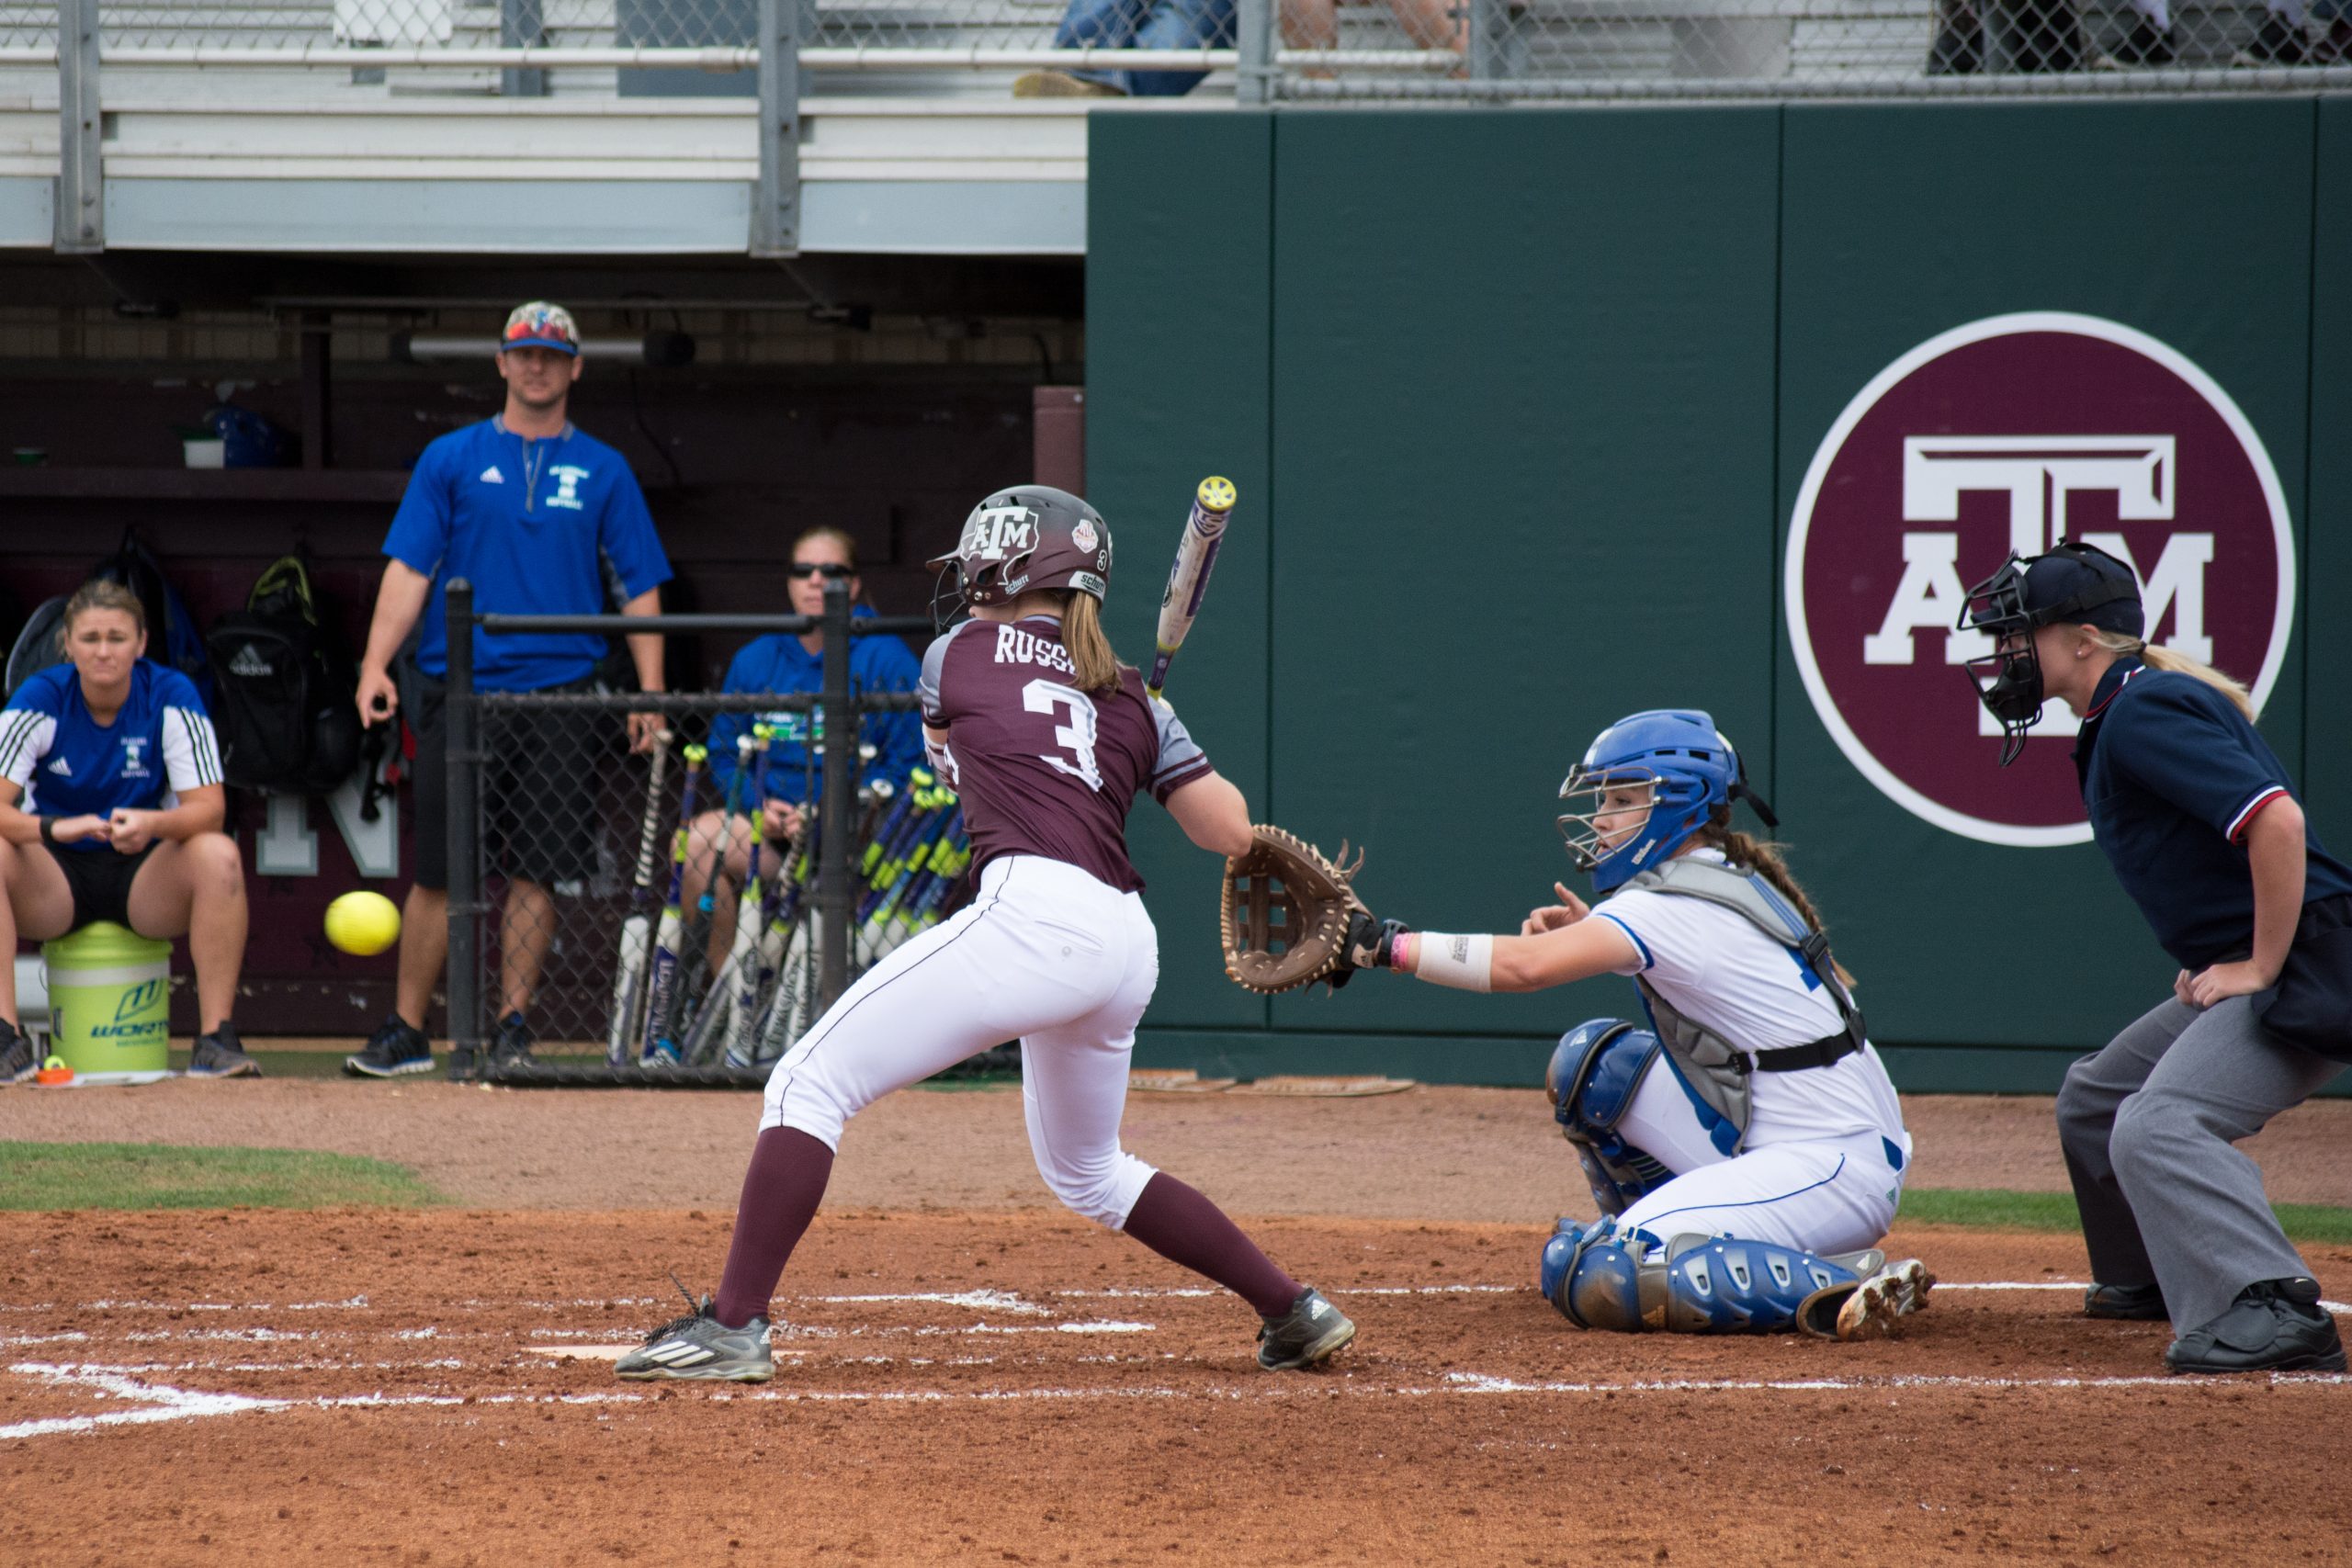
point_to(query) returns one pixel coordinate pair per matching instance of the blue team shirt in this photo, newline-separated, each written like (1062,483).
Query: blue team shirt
(68,764)
(779,663)
(534,525)
(2172,773)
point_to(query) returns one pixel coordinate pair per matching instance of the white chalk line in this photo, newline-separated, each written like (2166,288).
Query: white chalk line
(159,1403)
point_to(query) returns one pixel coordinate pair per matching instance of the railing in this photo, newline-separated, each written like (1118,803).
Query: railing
(1290,48)
(790,53)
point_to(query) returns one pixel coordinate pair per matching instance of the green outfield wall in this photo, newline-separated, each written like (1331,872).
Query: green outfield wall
(1522,404)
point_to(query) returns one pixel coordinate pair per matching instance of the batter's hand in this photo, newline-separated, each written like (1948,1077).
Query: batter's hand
(644,732)
(130,831)
(1551,917)
(377,696)
(2222,981)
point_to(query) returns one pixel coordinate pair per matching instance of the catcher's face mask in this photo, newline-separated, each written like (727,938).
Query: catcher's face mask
(1607,810)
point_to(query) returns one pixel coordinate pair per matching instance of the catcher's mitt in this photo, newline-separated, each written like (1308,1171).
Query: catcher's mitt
(1285,914)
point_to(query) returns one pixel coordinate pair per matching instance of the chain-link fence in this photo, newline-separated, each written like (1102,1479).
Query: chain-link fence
(1572,48)
(1285,50)
(682,912)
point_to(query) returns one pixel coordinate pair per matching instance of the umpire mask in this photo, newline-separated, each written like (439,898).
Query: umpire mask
(2073,582)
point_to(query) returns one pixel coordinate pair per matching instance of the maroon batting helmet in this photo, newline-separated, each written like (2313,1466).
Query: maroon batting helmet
(1028,536)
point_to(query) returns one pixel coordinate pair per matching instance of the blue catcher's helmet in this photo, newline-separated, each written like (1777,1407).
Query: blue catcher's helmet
(1674,767)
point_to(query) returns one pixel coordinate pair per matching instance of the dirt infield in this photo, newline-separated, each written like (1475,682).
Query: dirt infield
(997,1383)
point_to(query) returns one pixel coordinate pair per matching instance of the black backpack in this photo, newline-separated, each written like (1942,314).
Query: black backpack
(171,635)
(284,688)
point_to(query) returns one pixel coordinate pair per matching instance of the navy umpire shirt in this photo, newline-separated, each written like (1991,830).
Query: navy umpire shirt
(2172,773)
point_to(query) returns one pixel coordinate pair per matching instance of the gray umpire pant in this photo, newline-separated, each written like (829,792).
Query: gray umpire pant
(2149,1125)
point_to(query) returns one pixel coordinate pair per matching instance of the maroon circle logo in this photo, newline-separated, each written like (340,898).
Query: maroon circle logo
(2011,434)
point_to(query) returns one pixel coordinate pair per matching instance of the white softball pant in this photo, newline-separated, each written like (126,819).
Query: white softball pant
(1045,955)
(1827,1195)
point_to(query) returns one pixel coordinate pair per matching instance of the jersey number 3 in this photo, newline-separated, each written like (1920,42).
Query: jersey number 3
(1076,737)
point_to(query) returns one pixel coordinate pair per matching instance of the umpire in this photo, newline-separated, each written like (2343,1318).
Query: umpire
(539,516)
(2202,828)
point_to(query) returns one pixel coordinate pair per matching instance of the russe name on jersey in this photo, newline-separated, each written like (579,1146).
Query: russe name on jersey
(1014,645)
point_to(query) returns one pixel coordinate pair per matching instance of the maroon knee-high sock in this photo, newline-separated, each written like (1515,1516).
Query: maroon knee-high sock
(1185,1227)
(781,1192)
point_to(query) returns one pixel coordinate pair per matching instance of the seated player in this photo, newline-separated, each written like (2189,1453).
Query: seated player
(111,802)
(1745,1147)
(781,663)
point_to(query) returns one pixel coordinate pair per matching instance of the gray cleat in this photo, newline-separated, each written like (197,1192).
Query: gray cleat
(1895,1290)
(699,1348)
(1306,1335)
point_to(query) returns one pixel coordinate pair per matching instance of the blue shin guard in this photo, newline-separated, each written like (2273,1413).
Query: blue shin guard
(1695,1284)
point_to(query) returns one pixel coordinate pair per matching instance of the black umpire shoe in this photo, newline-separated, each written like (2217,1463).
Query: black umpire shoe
(2136,1303)
(2275,1325)
(393,1051)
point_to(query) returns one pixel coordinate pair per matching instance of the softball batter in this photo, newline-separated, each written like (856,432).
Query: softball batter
(1047,737)
(1747,1149)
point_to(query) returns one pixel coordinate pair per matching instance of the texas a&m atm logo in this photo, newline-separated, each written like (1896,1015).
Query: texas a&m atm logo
(2011,434)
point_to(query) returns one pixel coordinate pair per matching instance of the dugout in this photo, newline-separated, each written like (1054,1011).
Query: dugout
(879,394)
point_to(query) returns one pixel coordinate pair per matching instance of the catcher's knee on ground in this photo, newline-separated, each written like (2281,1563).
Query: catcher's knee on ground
(1695,1284)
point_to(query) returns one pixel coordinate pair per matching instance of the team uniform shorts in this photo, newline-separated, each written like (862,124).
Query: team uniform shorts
(100,880)
(1044,954)
(539,786)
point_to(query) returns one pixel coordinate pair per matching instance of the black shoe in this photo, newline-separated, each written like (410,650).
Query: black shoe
(2138,50)
(2133,1304)
(2276,44)
(393,1051)
(221,1055)
(1957,49)
(512,1046)
(18,1062)
(2275,1325)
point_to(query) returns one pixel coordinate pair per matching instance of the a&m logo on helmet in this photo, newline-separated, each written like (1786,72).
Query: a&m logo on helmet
(2009,433)
(996,533)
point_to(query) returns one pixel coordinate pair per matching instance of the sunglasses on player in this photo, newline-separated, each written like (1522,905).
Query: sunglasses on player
(825,568)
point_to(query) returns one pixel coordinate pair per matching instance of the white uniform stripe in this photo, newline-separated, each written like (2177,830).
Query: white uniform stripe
(2246,812)
(191,755)
(22,741)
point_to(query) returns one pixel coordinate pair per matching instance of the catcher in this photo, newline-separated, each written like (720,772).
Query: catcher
(1746,1148)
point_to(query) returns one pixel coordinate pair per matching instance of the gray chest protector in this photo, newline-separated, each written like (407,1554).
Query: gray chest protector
(1716,1068)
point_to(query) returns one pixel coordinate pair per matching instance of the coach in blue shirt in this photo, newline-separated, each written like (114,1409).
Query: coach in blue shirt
(2201,826)
(537,515)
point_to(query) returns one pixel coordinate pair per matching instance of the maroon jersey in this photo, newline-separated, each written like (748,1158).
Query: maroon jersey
(1043,768)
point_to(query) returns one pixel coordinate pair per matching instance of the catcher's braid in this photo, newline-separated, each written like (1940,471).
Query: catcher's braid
(1285,913)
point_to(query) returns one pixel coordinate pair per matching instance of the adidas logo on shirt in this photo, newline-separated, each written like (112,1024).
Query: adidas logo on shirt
(491,476)
(58,765)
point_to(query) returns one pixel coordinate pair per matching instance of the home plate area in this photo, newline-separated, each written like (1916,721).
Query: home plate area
(471,1353)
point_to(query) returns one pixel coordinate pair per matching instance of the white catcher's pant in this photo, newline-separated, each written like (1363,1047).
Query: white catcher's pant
(1045,955)
(1826,1195)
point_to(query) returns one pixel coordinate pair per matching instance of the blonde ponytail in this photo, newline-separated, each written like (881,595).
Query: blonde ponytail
(2172,661)
(1764,859)
(1090,649)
